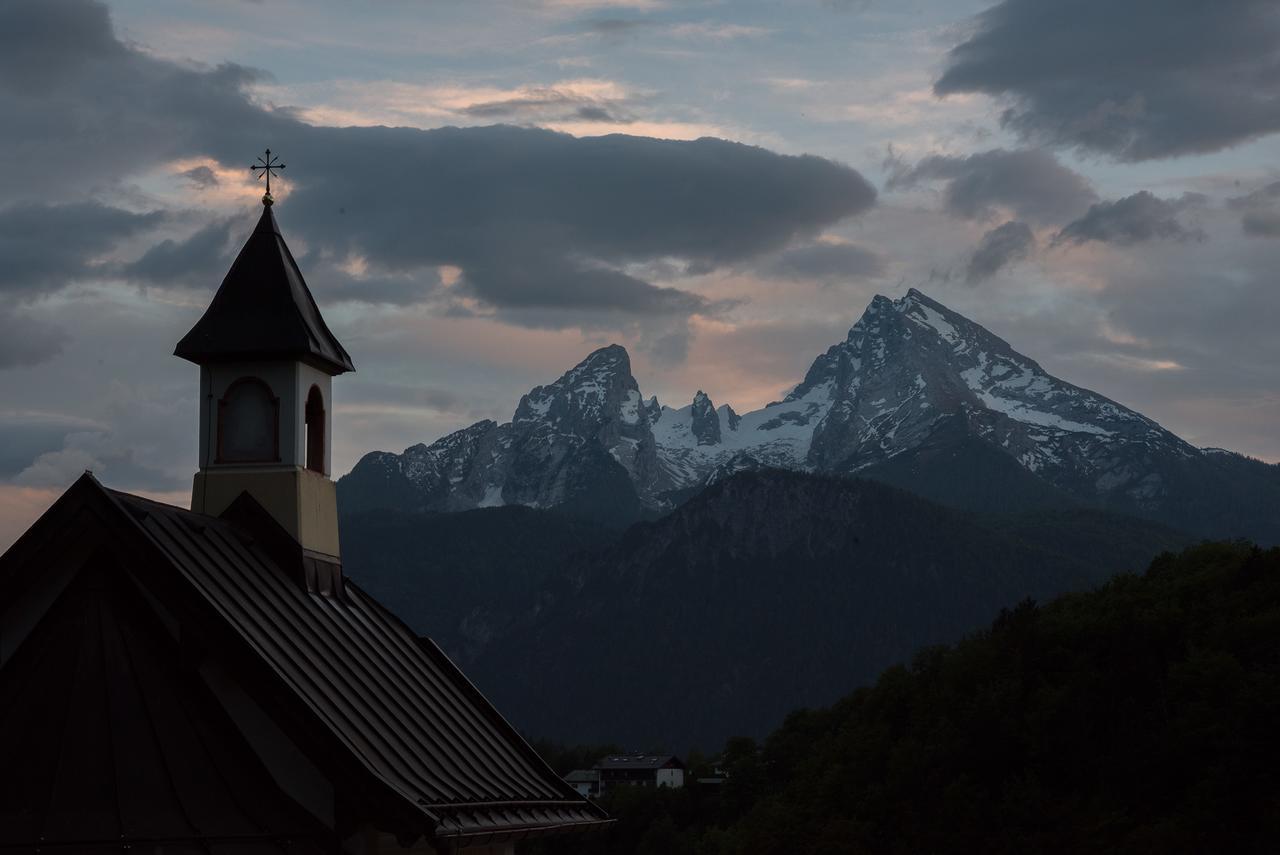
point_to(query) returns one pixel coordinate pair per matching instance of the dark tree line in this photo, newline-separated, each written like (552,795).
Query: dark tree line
(1140,717)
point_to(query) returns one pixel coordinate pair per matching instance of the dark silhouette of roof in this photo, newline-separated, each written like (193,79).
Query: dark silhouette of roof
(382,711)
(105,740)
(639,761)
(264,310)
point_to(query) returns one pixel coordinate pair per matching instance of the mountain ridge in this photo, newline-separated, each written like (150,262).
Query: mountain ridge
(910,376)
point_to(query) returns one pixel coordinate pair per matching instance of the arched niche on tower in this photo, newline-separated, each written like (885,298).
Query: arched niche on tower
(248,423)
(314,417)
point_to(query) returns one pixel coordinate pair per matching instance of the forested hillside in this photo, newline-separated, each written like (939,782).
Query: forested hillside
(774,590)
(1140,717)
(768,591)
(463,578)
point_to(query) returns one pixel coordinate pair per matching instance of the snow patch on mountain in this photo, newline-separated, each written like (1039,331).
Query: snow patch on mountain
(906,367)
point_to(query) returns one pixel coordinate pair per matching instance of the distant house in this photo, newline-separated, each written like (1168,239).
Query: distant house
(640,770)
(585,781)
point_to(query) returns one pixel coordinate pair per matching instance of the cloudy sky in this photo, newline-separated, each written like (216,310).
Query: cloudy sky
(480,193)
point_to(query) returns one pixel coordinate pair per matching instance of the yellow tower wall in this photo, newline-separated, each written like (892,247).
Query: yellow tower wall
(304,502)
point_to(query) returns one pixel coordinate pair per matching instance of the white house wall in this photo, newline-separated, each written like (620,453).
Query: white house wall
(671,778)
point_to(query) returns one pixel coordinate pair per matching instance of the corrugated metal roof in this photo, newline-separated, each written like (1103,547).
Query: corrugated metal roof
(395,701)
(107,742)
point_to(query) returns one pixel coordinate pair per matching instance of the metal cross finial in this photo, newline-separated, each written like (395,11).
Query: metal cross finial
(266,166)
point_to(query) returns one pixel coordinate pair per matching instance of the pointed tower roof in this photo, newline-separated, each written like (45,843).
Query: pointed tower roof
(263,310)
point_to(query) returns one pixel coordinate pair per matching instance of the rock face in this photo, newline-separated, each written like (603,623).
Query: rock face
(583,442)
(704,421)
(908,365)
(916,395)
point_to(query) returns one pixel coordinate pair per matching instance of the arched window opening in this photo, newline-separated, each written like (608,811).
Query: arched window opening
(315,430)
(248,423)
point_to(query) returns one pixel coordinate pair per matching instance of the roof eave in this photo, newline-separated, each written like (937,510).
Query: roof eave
(318,361)
(491,837)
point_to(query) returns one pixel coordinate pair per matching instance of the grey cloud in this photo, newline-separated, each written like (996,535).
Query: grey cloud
(1135,80)
(197,260)
(668,347)
(201,177)
(43,247)
(26,341)
(616,28)
(578,287)
(1030,182)
(26,28)
(1000,247)
(1134,219)
(79,97)
(533,218)
(1263,197)
(401,394)
(536,218)
(827,261)
(1214,314)
(26,436)
(550,103)
(1260,209)
(1261,223)
(330,282)
(600,114)
(536,100)
(100,452)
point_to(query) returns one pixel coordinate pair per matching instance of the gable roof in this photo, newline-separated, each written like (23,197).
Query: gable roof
(264,310)
(639,761)
(383,708)
(126,748)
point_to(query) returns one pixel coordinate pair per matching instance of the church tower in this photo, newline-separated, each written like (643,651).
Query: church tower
(267,362)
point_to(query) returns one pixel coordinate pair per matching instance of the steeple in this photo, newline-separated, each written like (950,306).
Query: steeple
(267,362)
(263,310)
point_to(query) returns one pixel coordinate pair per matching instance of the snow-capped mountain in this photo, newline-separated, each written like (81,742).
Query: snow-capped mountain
(585,437)
(905,366)
(912,385)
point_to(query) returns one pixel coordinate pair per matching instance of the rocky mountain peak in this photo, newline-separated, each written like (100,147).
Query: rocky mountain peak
(611,357)
(704,421)
(652,409)
(601,367)
(912,379)
(598,389)
(910,363)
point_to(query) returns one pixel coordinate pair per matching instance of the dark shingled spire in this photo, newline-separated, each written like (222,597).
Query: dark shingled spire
(263,310)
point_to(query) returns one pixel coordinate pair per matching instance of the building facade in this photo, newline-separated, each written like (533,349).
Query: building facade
(640,770)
